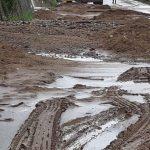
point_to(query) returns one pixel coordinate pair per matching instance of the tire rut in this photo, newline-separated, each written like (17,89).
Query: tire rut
(42,127)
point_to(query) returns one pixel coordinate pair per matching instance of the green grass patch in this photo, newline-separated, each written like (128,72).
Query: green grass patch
(26,16)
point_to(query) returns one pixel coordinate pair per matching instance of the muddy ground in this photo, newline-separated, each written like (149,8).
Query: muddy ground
(76,29)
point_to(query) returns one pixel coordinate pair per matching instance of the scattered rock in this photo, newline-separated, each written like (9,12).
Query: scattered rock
(3,104)
(79,86)
(3,85)
(7,120)
(1,109)
(16,105)
(97,93)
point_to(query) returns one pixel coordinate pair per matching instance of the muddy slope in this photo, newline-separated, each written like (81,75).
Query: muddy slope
(132,38)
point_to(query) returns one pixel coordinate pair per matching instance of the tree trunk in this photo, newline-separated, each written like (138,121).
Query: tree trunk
(14,7)
(2,14)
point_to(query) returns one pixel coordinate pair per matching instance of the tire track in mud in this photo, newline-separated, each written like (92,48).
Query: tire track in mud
(75,133)
(140,131)
(136,134)
(41,129)
(113,94)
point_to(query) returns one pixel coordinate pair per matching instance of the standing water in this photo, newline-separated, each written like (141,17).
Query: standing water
(94,75)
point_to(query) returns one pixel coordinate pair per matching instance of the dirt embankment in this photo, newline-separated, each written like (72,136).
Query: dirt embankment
(72,28)
(131,39)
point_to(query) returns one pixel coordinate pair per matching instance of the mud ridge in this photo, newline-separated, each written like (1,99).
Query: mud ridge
(139,74)
(136,134)
(41,129)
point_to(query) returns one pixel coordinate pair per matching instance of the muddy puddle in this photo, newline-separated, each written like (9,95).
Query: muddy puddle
(134,98)
(91,75)
(83,109)
(109,131)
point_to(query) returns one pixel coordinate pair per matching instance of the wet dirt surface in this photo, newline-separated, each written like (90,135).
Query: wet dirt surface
(91,99)
(111,30)
(90,96)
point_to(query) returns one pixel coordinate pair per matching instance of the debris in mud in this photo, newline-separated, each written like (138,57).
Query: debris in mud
(79,86)
(3,104)
(33,89)
(3,85)
(92,52)
(47,78)
(98,93)
(136,74)
(6,120)
(1,110)
(19,104)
